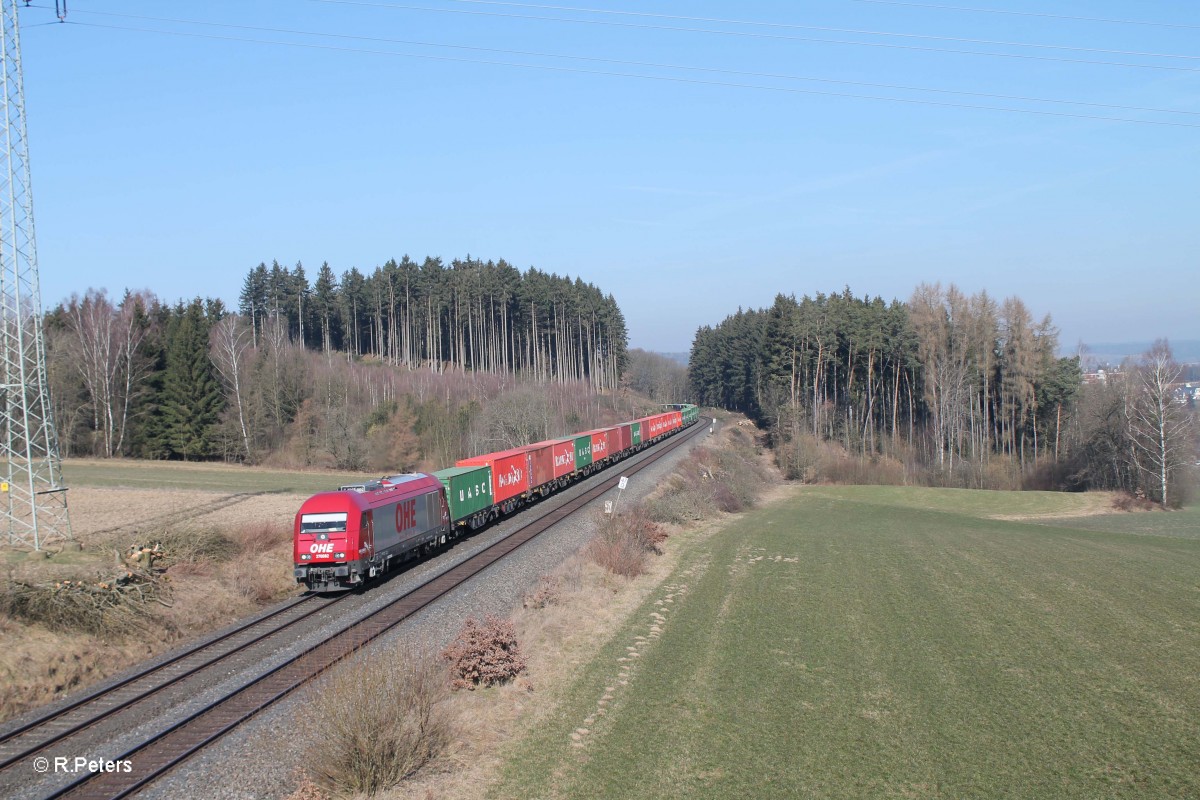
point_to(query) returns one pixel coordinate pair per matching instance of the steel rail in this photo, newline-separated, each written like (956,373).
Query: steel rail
(174,745)
(44,722)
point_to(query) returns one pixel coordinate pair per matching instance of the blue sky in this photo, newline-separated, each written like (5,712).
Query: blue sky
(177,156)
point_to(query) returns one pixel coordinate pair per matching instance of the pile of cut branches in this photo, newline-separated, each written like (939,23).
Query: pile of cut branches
(115,605)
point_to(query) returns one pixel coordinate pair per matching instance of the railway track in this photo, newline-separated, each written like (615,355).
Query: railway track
(163,751)
(94,707)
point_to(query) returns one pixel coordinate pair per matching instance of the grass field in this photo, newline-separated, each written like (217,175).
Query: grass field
(200,476)
(882,642)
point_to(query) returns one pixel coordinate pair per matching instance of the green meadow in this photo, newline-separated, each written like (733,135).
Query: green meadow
(202,476)
(885,642)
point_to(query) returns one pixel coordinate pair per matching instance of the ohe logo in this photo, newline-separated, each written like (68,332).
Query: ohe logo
(406,515)
(326,547)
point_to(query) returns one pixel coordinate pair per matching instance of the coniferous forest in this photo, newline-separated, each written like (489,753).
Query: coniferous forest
(381,371)
(470,314)
(946,389)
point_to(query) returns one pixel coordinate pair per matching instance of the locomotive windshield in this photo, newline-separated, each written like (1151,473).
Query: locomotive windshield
(323,523)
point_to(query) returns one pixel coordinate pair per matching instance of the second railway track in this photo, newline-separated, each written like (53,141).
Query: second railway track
(84,712)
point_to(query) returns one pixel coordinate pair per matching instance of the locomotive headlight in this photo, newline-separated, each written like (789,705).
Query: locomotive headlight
(322,537)
(339,555)
(305,556)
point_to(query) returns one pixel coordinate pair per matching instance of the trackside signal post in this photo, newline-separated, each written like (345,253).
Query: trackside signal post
(33,499)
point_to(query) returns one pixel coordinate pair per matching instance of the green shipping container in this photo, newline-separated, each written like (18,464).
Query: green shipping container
(637,432)
(583,451)
(468,490)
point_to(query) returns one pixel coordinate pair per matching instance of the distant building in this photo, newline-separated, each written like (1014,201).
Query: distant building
(1101,376)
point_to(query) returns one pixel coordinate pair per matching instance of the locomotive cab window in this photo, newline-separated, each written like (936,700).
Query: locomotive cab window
(323,523)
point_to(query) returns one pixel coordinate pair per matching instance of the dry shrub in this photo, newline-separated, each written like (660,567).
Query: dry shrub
(545,594)
(375,721)
(1124,501)
(484,654)
(623,542)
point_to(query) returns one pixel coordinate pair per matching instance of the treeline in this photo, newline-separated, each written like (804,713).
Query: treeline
(962,389)
(319,377)
(472,315)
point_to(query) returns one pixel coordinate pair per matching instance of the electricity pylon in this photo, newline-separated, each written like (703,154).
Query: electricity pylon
(32,495)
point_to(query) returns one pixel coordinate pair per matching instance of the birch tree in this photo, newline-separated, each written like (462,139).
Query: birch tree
(1158,426)
(231,340)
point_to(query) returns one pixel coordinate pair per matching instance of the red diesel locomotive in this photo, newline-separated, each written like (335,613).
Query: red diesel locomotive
(345,537)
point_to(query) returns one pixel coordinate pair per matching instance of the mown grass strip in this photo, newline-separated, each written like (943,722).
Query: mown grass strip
(839,645)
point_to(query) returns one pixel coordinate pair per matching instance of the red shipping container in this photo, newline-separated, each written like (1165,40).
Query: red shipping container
(624,438)
(541,462)
(656,424)
(601,446)
(563,455)
(510,472)
(676,420)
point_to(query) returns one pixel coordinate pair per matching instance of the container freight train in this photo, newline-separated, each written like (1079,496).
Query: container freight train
(344,538)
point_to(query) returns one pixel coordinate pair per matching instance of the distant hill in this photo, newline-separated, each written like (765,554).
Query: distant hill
(1185,350)
(680,358)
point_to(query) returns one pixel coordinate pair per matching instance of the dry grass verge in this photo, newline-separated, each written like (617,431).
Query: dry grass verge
(376,720)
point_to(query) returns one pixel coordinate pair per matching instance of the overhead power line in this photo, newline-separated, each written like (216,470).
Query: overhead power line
(630,63)
(1043,15)
(819,28)
(661,78)
(760,36)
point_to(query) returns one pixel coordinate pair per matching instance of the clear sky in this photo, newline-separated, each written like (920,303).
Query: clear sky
(176,156)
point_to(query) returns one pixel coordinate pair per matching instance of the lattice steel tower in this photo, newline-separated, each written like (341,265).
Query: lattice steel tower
(32,494)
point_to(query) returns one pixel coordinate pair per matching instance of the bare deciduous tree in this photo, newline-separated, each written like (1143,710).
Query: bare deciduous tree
(1157,424)
(231,341)
(106,343)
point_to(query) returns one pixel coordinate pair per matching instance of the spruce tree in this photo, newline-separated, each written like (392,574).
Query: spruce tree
(191,395)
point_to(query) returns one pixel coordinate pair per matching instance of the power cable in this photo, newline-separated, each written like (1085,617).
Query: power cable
(1032,14)
(750,35)
(793,26)
(662,78)
(628,63)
